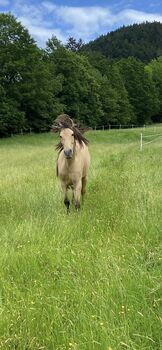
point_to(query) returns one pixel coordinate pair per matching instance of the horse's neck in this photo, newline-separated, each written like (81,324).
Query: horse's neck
(75,150)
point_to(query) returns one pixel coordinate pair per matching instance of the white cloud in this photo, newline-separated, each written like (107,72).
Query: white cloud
(133,16)
(40,33)
(45,19)
(4,3)
(85,21)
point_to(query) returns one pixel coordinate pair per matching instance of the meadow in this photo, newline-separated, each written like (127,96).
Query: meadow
(90,280)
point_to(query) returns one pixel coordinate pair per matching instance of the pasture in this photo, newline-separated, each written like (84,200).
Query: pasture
(90,280)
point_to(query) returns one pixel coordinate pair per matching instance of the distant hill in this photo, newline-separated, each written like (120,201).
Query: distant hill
(143,41)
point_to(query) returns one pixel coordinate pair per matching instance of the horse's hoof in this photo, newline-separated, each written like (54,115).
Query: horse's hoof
(77,206)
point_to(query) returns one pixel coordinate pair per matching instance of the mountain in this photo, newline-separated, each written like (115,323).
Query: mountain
(143,41)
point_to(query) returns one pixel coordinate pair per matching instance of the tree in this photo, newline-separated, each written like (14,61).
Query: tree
(11,119)
(80,87)
(154,70)
(109,100)
(114,96)
(140,88)
(74,45)
(52,45)
(24,75)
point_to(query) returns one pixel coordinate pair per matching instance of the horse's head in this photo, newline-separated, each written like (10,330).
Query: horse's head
(69,133)
(67,141)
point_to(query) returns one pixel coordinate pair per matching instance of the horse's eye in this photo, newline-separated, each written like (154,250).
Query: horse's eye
(72,135)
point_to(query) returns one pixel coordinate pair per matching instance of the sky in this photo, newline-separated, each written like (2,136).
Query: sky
(84,19)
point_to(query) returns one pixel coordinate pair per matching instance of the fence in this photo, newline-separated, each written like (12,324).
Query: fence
(102,127)
(117,126)
(147,137)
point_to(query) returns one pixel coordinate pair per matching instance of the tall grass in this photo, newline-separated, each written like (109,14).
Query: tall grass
(90,280)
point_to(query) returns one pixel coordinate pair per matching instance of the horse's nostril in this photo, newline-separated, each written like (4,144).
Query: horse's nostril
(68,153)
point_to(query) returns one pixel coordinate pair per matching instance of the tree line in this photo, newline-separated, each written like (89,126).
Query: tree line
(38,84)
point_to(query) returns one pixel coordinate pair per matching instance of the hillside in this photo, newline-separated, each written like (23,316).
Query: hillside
(143,41)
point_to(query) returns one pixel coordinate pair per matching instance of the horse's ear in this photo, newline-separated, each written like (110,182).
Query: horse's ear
(55,128)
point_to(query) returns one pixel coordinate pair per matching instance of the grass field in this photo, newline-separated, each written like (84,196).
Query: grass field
(90,280)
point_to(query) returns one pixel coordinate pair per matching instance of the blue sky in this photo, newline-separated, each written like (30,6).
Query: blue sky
(84,19)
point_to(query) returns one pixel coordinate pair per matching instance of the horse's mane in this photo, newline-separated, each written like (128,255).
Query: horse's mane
(63,121)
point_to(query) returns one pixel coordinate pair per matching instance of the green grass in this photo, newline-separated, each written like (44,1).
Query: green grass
(90,280)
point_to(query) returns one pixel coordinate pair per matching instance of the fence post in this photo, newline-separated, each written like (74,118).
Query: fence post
(141,142)
(103,127)
(109,126)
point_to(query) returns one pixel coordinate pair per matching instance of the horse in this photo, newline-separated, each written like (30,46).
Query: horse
(73,159)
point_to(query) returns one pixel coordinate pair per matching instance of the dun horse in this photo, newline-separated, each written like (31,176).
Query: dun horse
(73,159)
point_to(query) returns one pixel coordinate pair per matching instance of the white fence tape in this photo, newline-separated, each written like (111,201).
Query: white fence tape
(142,143)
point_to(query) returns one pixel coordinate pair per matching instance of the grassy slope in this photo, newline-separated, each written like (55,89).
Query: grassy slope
(90,280)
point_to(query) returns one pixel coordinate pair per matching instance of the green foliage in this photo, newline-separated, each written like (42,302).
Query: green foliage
(141,90)
(154,70)
(125,113)
(74,45)
(36,85)
(24,77)
(11,119)
(80,86)
(115,103)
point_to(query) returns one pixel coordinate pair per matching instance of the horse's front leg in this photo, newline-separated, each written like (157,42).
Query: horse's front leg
(66,199)
(77,194)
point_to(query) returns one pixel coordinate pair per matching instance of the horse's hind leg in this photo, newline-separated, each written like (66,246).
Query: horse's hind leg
(83,191)
(66,199)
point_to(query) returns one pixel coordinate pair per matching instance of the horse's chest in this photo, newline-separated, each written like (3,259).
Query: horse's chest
(69,174)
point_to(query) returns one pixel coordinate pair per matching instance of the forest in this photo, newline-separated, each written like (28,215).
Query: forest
(92,84)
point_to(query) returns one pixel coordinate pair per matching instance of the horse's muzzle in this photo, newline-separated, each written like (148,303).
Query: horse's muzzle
(68,153)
